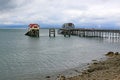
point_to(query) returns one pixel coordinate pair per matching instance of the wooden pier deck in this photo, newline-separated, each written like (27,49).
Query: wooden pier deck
(81,32)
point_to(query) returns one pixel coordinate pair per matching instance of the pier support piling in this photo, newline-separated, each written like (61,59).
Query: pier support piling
(67,33)
(52,32)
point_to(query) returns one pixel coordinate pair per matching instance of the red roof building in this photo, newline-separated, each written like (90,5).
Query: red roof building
(33,26)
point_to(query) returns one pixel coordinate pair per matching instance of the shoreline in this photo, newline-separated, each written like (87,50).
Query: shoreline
(69,74)
(108,69)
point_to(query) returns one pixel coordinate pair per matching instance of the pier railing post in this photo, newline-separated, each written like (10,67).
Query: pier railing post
(52,32)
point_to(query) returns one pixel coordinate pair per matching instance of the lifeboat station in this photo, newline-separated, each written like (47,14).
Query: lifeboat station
(33,30)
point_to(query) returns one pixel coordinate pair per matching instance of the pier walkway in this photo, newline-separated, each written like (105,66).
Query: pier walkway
(81,32)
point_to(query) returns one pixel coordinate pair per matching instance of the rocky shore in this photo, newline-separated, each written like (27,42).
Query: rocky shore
(108,69)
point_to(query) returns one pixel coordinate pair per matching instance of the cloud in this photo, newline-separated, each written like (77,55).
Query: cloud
(5,5)
(58,12)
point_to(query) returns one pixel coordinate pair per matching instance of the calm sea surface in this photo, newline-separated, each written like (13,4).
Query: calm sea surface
(23,55)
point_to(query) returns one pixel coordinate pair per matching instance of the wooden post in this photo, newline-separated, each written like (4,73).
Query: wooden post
(67,32)
(118,35)
(52,32)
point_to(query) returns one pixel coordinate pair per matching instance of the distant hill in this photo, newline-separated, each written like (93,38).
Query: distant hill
(103,26)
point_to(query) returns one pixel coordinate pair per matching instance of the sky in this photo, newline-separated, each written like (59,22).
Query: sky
(83,13)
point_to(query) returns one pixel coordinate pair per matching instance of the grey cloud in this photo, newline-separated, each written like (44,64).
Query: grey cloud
(6,5)
(54,11)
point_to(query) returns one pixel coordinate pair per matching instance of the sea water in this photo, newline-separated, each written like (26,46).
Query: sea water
(23,55)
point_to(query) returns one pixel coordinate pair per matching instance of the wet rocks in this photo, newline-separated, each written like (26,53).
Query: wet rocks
(61,77)
(47,76)
(110,54)
(116,53)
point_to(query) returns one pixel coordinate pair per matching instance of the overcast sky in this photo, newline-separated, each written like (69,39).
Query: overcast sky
(80,12)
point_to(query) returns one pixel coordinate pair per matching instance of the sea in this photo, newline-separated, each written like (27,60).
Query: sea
(24,58)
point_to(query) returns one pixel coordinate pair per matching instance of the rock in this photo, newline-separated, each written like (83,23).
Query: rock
(110,53)
(90,70)
(85,72)
(47,76)
(88,63)
(77,71)
(61,77)
(95,63)
(116,53)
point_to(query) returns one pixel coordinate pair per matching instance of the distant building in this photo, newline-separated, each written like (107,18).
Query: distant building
(68,26)
(33,30)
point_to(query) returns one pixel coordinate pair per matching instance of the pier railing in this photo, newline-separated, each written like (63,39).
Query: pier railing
(91,32)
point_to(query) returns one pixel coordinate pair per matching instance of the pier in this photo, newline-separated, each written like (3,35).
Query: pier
(81,32)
